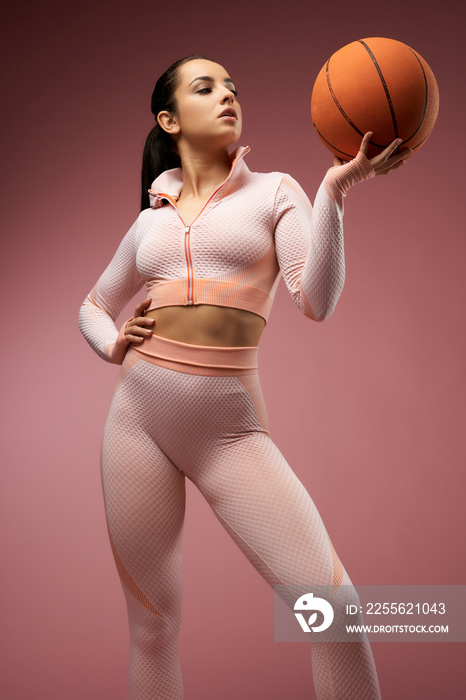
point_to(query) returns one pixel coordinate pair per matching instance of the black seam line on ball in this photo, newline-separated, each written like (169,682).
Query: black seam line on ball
(425,99)
(343,113)
(413,148)
(350,155)
(385,87)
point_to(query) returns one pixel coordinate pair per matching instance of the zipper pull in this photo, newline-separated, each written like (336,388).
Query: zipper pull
(186,230)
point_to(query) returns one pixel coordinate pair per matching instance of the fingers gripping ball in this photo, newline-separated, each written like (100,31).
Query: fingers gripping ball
(379,85)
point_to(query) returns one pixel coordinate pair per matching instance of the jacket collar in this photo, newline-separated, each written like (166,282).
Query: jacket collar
(170,182)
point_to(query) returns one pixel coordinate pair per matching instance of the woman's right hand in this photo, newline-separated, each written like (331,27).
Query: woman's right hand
(387,160)
(136,328)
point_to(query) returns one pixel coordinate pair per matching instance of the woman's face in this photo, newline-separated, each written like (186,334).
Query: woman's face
(204,93)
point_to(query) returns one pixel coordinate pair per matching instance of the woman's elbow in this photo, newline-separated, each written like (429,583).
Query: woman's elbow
(320,313)
(319,305)
(321,316)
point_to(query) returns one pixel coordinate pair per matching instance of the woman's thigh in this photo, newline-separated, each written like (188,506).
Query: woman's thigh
(269,513)
(144,496)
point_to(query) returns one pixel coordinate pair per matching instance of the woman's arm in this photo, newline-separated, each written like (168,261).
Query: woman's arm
(309,240)
(115,287)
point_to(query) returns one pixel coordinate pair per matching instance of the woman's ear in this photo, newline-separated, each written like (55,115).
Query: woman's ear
(168,123)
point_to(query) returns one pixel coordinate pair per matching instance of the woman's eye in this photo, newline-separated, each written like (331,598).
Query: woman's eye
(208,89)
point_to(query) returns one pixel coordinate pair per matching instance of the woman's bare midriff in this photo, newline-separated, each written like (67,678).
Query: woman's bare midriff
(203,324)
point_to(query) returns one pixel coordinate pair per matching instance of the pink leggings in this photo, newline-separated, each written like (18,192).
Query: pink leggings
(179,411)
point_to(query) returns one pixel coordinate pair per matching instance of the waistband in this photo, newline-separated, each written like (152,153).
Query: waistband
(216,292)
(209,360)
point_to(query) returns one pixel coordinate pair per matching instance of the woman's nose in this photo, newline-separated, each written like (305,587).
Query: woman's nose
(229,95)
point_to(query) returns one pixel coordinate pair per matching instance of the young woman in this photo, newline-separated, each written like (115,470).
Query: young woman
(210,243)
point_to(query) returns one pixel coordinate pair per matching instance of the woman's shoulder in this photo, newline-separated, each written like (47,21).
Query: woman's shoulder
(277,178)
(283,183)
(279,188)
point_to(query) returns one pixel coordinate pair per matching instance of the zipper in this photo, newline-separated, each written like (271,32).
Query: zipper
(189,262)
(187,247)
(187,231)
(187,240)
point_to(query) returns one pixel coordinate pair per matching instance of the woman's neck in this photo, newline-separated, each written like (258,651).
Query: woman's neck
(203,171)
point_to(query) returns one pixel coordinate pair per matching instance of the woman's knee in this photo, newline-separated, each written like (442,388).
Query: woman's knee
(149,628)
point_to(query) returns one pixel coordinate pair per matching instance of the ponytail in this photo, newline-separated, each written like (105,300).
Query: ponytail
(160,152)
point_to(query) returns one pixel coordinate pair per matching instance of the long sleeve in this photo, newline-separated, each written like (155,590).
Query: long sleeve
(309,240)
(115,287)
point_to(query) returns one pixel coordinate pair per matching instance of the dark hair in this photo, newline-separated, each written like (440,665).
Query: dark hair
(160,152)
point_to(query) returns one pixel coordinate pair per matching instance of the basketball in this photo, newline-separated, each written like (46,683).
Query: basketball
(379,85)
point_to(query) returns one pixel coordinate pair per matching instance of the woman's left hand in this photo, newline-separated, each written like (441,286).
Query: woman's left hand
(385,162)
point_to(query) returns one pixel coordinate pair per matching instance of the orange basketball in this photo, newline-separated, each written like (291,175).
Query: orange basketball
(378,85)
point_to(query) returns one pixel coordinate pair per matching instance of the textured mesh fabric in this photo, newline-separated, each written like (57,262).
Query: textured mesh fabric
(170,420)
(165,426)
(254,228)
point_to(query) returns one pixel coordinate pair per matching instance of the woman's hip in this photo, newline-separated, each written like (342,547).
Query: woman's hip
(188,398)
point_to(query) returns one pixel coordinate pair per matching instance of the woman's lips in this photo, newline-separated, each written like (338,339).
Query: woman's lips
(229,113)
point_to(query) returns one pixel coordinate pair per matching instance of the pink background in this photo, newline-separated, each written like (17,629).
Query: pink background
(368,408)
